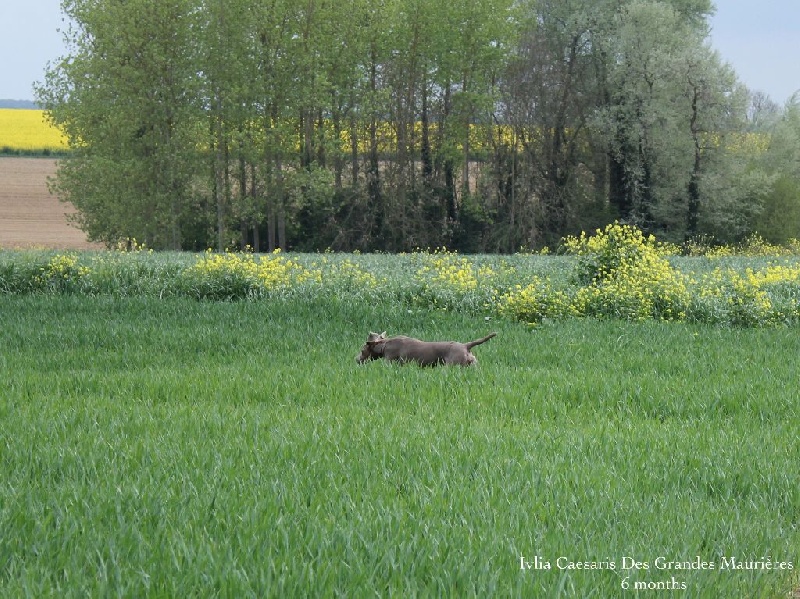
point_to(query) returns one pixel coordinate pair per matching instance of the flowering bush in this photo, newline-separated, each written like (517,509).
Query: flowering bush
(334,276)
(61,273)
(235,276)
(724,296)
(535,302)
(445,280)
(345,274)
(624,275)
(443,268)
(755,298)
(614,248)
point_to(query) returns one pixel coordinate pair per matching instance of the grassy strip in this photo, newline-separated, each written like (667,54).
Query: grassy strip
(628,283)
(183,448)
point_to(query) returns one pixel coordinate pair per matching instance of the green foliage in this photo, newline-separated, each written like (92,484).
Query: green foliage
(779,222)
(535,302)
(136,153)
(623,274)
(238,276)
(618,273)
(485,125)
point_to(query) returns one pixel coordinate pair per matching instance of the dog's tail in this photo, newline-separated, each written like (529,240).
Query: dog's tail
(472,344)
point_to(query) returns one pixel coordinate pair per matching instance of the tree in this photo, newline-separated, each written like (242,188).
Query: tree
(127,100)
(550,95)
(645,118)
(671,107)
(780,219)
(720,184)
(762,112)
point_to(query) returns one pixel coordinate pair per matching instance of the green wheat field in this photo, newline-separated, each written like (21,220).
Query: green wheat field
(170,427)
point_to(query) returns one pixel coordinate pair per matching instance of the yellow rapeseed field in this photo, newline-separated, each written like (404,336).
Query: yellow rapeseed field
(27,130)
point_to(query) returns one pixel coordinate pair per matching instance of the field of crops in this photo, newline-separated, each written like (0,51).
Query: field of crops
(27,132)
(183,425)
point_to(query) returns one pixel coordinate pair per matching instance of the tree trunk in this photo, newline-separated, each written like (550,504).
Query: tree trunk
(425,150)
(244,217)
(220,172)
(693,208)
(338,163)
(373,178)
(353,148)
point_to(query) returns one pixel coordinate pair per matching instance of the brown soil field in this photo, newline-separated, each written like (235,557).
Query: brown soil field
(30,216)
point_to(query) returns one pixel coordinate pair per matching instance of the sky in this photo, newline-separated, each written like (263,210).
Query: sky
(759,38)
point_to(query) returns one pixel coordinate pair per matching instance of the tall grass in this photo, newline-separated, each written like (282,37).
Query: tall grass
(618,275)
(170,447)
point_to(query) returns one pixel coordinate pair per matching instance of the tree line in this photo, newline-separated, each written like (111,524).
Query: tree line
(385,125)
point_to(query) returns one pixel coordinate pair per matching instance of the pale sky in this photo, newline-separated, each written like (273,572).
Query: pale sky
(760,38)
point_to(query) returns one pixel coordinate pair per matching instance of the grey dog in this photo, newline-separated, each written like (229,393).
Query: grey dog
(425,353)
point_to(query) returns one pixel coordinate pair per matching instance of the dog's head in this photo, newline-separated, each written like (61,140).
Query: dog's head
(373,348)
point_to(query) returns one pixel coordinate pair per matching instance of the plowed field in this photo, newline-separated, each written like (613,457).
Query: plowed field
(29,215)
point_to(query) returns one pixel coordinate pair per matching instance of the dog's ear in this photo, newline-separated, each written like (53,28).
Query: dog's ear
(375,337)
(382,335)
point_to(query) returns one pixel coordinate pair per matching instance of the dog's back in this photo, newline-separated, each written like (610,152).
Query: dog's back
(425,353)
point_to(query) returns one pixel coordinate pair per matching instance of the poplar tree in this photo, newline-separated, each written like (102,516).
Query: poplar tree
(127,100)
